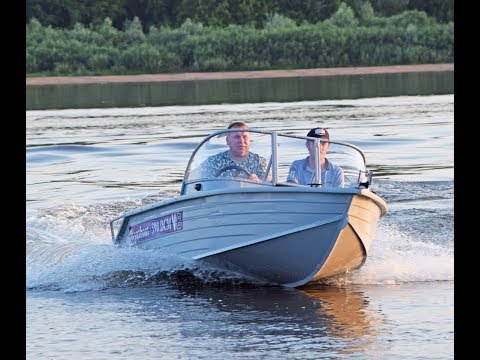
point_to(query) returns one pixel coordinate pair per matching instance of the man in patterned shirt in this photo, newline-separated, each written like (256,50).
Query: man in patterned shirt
(238,157)
(301,171)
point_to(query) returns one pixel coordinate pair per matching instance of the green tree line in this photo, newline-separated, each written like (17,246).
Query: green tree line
(352,36)
(173,13)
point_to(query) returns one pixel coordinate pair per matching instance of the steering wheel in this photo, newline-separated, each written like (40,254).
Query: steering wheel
(268,169)
(233,167)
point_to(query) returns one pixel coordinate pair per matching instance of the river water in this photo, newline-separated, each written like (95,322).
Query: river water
(86,299)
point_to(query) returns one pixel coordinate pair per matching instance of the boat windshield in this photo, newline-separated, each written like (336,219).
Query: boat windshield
(270,155)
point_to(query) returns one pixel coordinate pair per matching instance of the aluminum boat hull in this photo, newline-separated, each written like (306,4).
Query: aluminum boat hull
(283,235)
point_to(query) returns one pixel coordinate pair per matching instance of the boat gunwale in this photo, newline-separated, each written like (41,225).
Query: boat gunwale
(259,189)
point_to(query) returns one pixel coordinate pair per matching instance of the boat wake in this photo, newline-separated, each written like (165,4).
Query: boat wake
(99,267)
(69,249)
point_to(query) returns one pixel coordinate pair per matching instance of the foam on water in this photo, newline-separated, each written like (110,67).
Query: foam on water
(397,258)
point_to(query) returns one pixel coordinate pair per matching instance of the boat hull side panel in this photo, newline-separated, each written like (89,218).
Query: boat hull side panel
(225,221)
(289,260)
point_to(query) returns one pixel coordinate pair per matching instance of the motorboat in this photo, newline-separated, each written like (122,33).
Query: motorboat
(268,229)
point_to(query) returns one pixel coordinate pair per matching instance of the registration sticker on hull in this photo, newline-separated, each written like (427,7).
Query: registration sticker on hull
(155,228)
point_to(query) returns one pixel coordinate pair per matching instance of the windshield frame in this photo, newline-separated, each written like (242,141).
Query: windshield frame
(276,138)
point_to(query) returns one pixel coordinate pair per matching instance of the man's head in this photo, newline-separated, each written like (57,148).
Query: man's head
(318,133)
(238,141)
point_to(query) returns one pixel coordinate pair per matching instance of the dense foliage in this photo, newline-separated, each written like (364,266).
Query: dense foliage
(349,37)
(66,13)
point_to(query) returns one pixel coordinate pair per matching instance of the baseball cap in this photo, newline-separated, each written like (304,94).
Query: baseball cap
(319,133)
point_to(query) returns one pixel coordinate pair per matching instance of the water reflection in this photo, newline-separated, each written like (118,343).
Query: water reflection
(234,91)
(321,312)
(350,312)
(316,314)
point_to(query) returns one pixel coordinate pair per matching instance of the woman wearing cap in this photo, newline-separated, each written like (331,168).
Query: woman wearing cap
(302,171)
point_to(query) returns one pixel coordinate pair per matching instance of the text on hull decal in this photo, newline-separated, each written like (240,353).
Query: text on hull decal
(150,229)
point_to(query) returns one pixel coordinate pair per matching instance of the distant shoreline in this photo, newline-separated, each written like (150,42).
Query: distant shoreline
(107,79)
